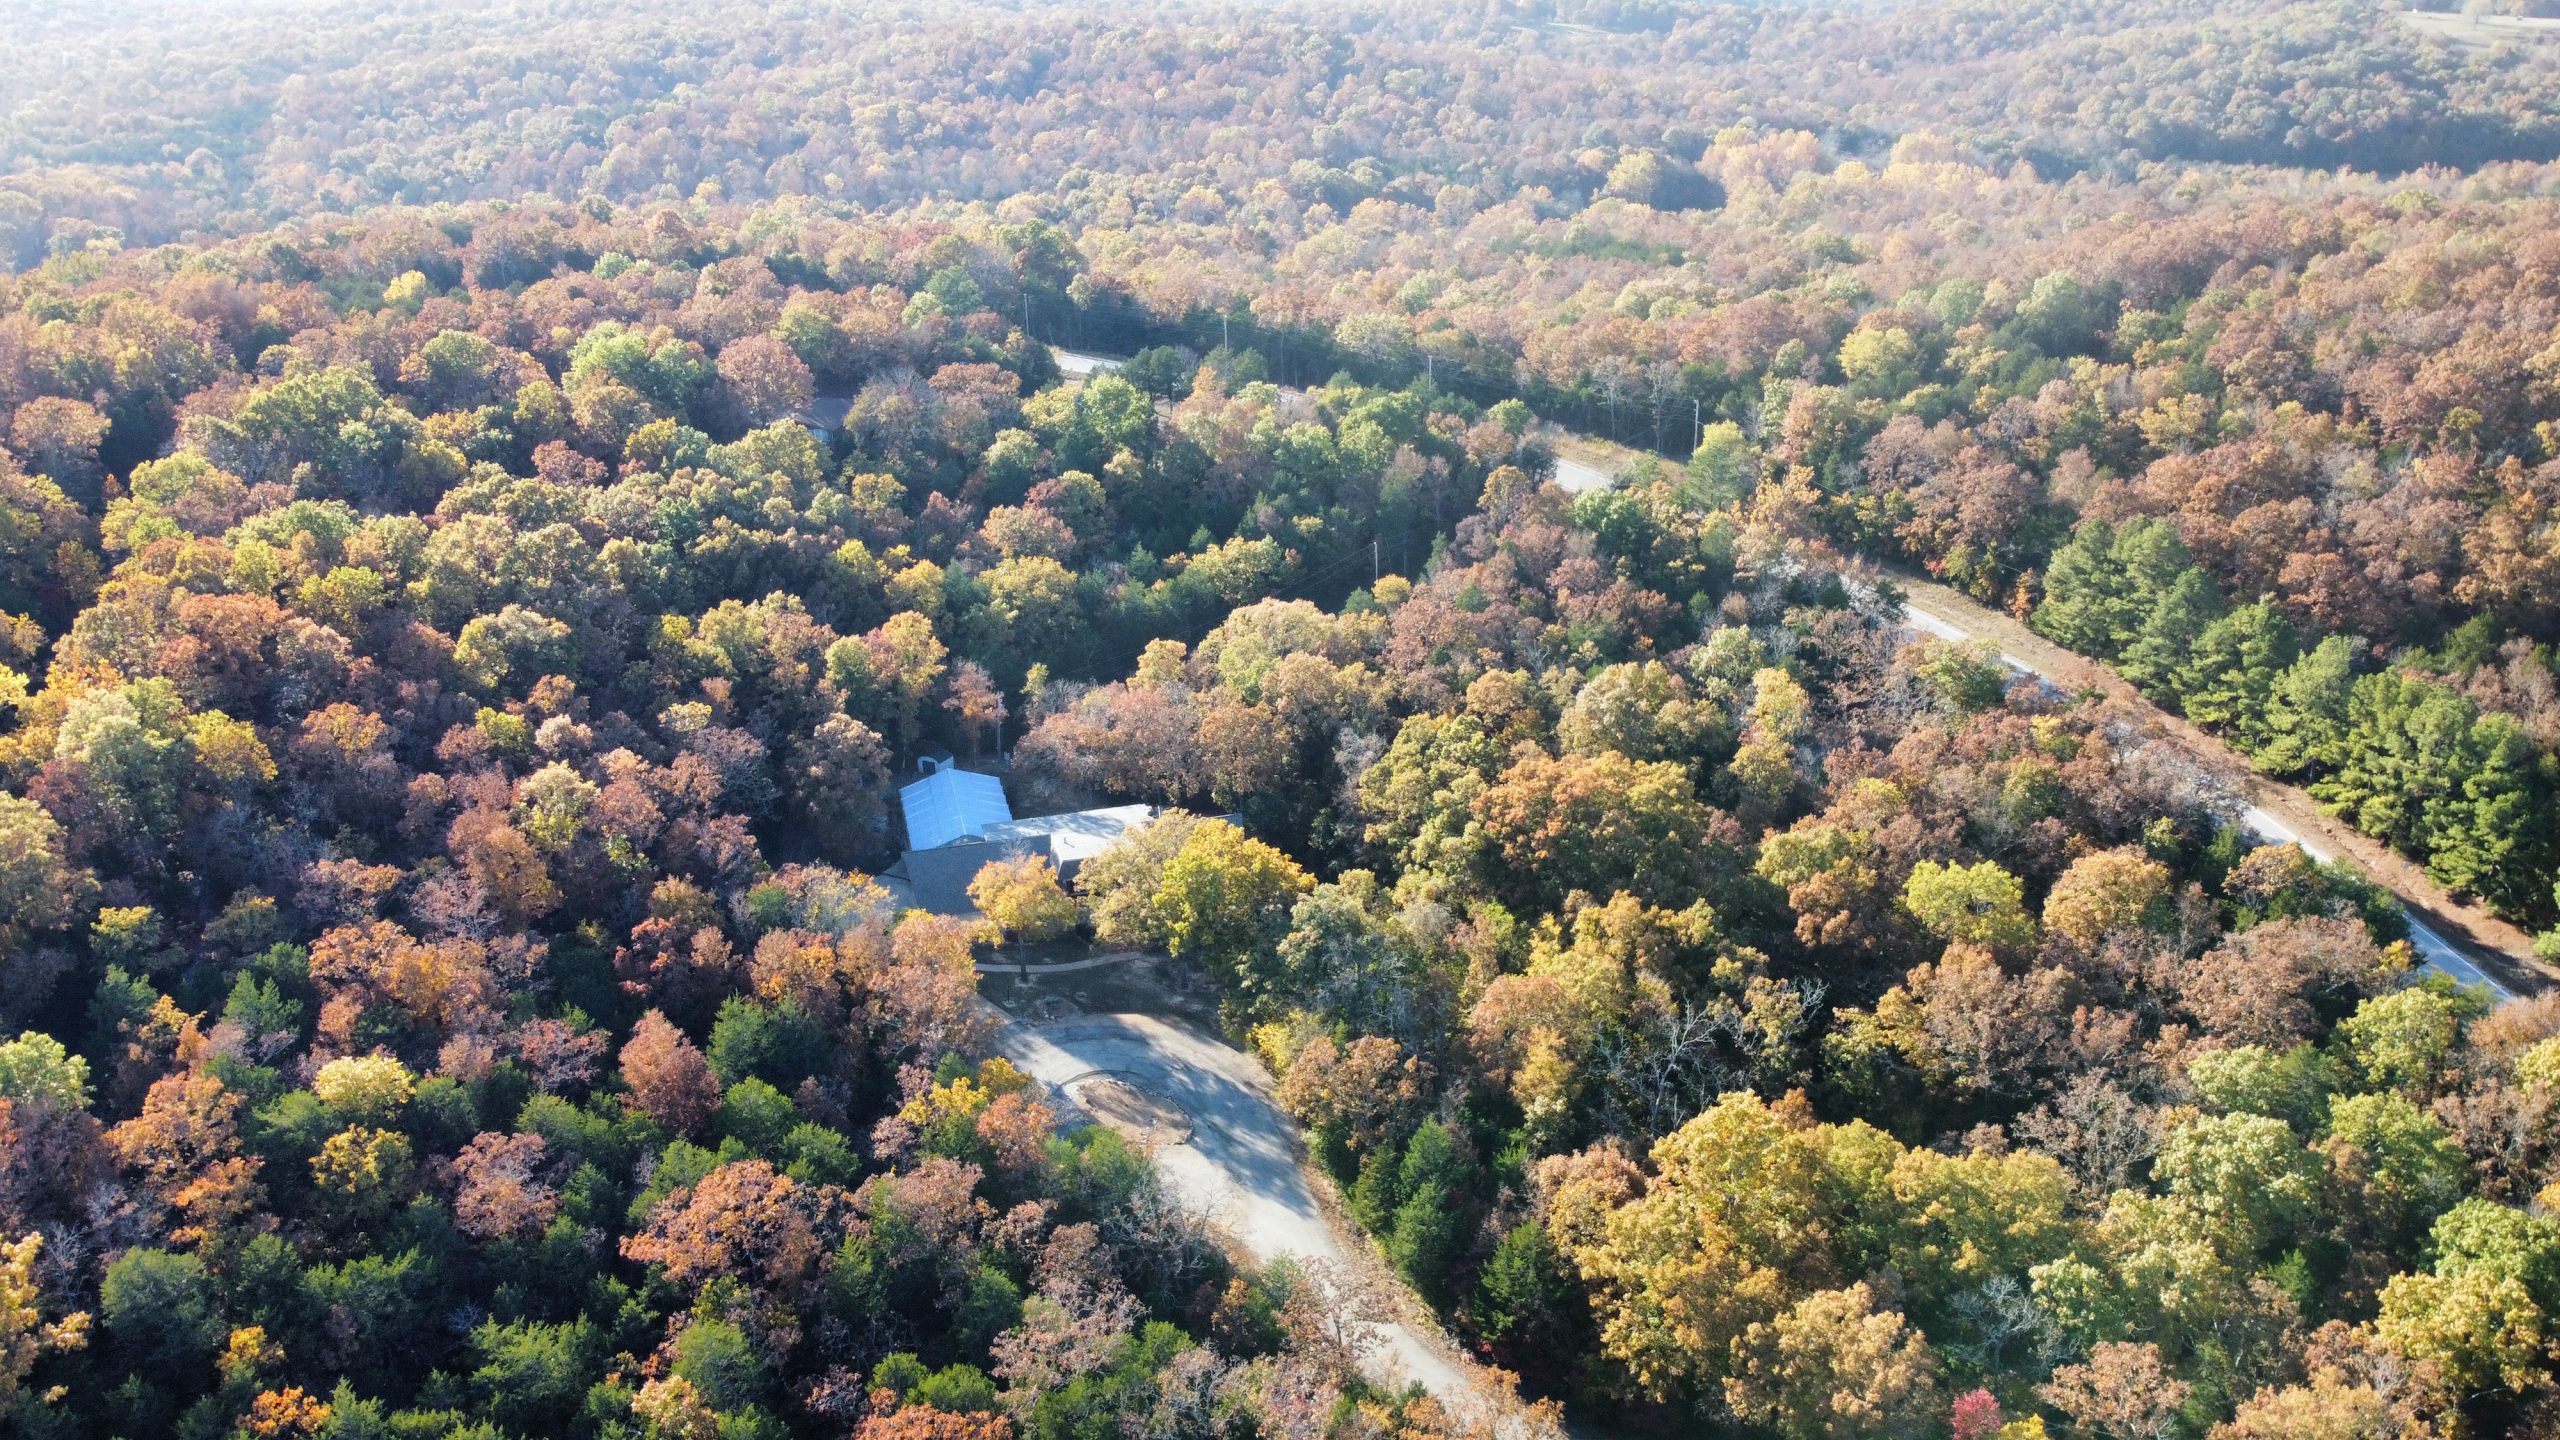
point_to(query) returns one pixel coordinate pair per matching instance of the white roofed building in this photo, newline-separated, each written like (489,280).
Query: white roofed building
(951,804)
(958,823)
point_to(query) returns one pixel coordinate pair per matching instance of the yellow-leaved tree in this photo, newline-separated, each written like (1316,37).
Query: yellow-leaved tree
(25,1335)
(1023,900)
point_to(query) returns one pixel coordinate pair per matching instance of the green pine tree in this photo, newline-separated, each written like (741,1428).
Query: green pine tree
(2149,557)
(2486,843)
(2307,714)
(1378,1191)
(2104,583)
(2231,682)
(2158,659)
(1520,1293)
(2082,592)
(1431,1223)
(2406,755)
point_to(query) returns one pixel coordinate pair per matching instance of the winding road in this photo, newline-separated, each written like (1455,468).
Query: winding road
(1946,622)
(2433,948)
(1240,1164)
(1583,465)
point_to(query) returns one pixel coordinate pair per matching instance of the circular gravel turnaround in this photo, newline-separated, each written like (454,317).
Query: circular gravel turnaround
(1133,1112)
(1238,1163)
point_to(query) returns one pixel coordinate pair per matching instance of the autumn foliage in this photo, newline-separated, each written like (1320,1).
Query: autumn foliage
(492,502)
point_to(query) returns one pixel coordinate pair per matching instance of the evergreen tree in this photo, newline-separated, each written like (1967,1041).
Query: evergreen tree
(2158,659)
(1431,1223)
(2083,592)
(2105,583)
(1521,1294)
(2407,754)
(2307,714)
(2486,841)
(1377,1193)
(2238,662)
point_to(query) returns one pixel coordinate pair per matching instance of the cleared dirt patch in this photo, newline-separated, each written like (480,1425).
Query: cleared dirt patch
(1131,1111)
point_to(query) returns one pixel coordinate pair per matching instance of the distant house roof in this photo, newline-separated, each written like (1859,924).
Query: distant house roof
(825,412)
(950,805)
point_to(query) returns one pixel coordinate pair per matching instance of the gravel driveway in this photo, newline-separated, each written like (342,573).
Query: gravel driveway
(1241,1167)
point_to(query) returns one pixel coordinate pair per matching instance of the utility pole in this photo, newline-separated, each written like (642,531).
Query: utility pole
(1223,342)
(1373,560)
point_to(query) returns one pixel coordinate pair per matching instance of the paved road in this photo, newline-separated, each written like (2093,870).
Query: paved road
(2438,952)
(1240,1168)
(1945,629)
(2433,948)
(2442,954)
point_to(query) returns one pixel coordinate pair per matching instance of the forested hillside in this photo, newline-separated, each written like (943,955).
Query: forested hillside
(493,497)
(180,116)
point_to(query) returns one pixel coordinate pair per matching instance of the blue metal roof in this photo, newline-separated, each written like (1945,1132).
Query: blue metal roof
(950,805)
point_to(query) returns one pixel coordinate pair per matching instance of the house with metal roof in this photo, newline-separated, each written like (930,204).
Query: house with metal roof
(951,804)
(1071,839)
(958,824)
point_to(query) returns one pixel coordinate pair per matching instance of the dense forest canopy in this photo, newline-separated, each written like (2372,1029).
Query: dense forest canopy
(493,497)
(174,117)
